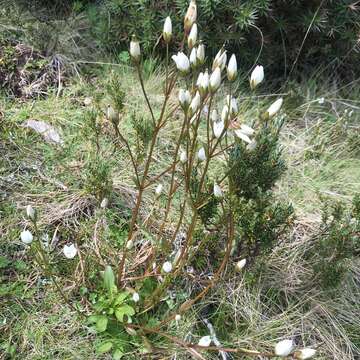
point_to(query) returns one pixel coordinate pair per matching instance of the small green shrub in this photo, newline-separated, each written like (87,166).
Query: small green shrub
(337,243)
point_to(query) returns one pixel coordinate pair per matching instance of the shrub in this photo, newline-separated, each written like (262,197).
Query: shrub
(213,213)
(337,242)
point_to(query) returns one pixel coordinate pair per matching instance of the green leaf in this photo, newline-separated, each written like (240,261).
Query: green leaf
(92,319)
(123,310)
(120,298)
(118,354)
(101,323)
(104,347)
(109,278)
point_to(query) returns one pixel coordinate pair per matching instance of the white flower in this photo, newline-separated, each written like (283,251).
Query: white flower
(135,49)
(274,107)
(190,16)
(159,189)
(215,80)
(218,128)
(193,58)
(184,98)
(217,191)
(195,103)
(257,76)
(304,354)
(70,251)
(284,348)
(182,62)
(177,317)
(26,237)
(205,341)
(232,68)
(240,265)
(167,32)
(242,136)
(183,157)
(247,130)
(200,53)
(104,203)
(30,212)
(201,154)
(136,297)
(321,101)
(192,38)
(214,115)
(224,113)
(167,266)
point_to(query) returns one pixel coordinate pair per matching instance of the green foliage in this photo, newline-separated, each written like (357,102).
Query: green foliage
(255,171)
(97,178)
(330,31)
(337,242)
(260,224)
(111,309)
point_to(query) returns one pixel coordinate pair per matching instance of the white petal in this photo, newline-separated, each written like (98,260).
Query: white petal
(205,341)
(284,348)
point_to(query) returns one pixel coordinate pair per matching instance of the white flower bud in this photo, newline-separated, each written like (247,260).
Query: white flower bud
(182,62)
(240,265)
(183,157)
(204,83)
(184,98)
(225,114)
(130,244)
(205,341)
(199,79)
(136,297)
(321,101)
(159,189)
(233,106)
(304,354)
(284,348)
(193,58)
(257,76)
(104,203)
(232,68)
(274,108)
(167,32)
(220,60)
(70,251)
(214,115)
(215,80)
(218,128)
(30,212)
(26,237)
(192,38)
(200,53)
(201,154)
(167,266)
(177,317)
(190,16)
(135,49)
(217,191)
(195,103)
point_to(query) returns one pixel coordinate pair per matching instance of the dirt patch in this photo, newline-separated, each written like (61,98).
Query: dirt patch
(26,73)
